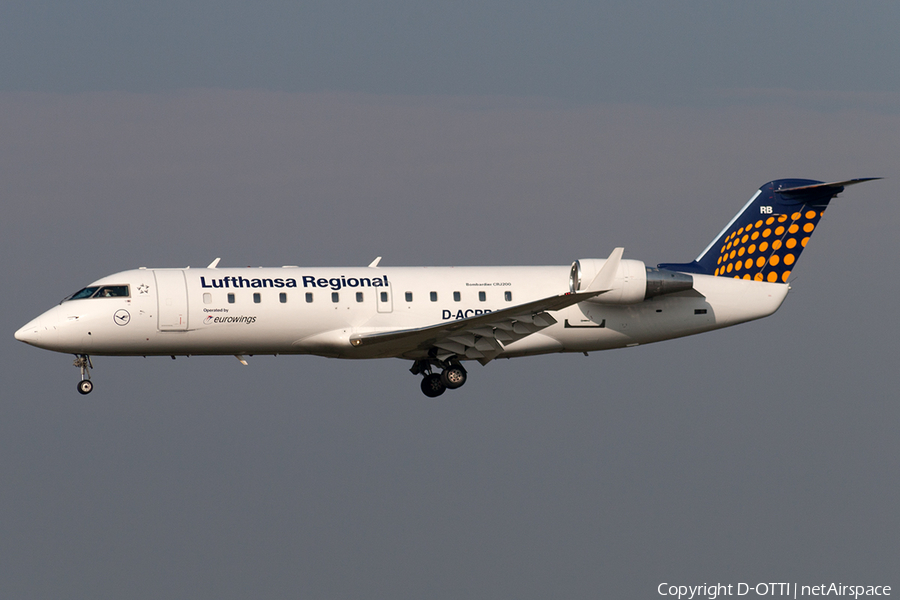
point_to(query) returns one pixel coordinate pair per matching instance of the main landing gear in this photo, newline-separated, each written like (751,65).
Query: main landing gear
(452,376)
(83,362)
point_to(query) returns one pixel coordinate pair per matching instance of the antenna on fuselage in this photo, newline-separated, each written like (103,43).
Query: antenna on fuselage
(375,262)
(213,264)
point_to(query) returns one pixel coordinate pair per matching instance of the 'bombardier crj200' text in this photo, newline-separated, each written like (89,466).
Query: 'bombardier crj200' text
(440,318)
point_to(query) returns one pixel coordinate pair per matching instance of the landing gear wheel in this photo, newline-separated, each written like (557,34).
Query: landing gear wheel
(83,362)
(432,386)
(453,377)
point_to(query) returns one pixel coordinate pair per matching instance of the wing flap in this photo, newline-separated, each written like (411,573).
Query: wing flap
(451,346)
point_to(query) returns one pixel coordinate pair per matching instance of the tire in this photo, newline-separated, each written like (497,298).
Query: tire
(432,386)
(453,377)
(85,386)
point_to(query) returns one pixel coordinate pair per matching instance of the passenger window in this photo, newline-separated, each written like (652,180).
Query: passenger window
(282,297)
(257,297)
(309,297)
(507,296)
(230,298)
(359,296)
(409,296)
(456,296)
(335,297)
(482,296)
(384,296)
(207,298)
(434,296)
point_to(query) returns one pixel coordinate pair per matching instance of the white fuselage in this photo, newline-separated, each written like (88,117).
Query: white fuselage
(294,310)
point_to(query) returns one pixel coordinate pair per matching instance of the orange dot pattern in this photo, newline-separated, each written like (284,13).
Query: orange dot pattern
(767,249)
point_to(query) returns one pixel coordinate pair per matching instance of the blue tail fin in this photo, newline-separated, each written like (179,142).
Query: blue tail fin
(765,239)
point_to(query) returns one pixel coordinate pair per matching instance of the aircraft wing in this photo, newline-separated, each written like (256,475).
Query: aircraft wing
(480,337)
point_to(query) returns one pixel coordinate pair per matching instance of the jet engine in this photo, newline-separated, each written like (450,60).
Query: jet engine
(634,282)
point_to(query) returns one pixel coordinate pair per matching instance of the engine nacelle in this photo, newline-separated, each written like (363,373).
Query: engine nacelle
(634,282)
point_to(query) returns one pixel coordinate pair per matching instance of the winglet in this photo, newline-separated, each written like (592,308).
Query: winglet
(604,280)
(375,262)
(213,264)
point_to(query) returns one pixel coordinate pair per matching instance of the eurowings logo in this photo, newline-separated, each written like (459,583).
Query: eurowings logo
(241,319)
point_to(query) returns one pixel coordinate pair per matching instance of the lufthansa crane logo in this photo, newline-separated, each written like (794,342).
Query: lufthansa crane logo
(121,317)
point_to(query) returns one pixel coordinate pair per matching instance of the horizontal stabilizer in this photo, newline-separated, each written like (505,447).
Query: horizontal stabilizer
(820,193)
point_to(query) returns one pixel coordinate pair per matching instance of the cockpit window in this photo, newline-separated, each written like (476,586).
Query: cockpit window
(106,291)
(85,293)
(113,291)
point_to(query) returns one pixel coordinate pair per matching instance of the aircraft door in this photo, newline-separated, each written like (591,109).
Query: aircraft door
(171,295)
(383,299)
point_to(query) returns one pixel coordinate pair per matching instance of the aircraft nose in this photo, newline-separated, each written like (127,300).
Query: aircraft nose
(30,333)
(41,332)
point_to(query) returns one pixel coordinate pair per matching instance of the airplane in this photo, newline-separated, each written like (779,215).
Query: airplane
(441,317)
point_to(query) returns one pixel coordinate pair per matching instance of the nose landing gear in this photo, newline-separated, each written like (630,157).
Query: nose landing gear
(83,362)
(452,376)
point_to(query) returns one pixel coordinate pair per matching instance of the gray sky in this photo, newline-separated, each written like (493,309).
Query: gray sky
(468,133)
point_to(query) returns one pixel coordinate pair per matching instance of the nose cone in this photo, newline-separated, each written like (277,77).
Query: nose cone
(39,332)
(30,333)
